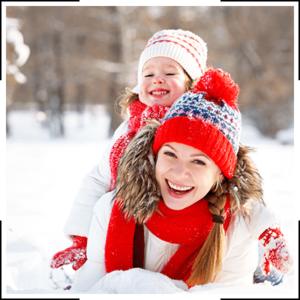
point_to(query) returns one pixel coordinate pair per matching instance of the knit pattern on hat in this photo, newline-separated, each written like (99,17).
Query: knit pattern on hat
(211,125)
(222,117)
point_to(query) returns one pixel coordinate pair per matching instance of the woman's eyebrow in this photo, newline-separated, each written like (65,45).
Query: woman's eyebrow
(200,154)
(193,155)
(166,145)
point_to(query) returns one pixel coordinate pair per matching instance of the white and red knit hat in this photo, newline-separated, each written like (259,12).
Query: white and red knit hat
(206,118)
(185,47)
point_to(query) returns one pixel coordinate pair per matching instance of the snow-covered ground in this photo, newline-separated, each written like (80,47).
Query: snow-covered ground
(42,179)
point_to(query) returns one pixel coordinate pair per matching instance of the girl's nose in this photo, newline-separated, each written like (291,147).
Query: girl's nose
(158,80)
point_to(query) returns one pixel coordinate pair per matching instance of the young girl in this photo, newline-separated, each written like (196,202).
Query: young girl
(168,66)
(186,191)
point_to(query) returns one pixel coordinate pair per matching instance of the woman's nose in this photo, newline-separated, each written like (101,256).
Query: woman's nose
(180,170)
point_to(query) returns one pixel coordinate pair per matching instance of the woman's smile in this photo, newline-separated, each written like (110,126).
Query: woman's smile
(184,174)
(178,189)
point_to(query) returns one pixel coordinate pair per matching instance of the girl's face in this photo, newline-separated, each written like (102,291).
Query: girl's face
(184,174)
(163,82)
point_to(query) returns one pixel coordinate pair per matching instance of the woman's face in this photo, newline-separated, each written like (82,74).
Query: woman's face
(184,174)
(163,82)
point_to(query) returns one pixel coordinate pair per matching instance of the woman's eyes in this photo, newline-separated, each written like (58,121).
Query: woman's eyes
(169,154)
(199,162)
(196,161)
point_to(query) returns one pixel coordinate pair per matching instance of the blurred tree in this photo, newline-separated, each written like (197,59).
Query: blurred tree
(265,59)
(88,55)
(57,95)
(17,54)
(114,57)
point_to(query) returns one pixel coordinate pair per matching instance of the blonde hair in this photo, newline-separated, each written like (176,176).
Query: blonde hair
(140,195)
(208,262)
(129,96)
(244,189)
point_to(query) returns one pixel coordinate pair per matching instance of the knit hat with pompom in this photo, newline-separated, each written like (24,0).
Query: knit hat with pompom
(183,46)
(206,118)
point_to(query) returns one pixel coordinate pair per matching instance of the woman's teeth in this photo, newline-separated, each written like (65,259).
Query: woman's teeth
(178,189)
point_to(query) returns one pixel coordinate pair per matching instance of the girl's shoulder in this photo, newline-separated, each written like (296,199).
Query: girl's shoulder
(103,207)
(123,128)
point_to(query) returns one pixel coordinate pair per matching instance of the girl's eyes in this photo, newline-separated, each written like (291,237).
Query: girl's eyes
(151,75)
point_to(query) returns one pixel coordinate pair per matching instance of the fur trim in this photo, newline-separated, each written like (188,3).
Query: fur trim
(245,187)
(139,192)
(136,185)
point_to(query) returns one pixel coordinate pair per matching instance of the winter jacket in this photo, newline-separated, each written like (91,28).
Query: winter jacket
(240,258)
(94,185)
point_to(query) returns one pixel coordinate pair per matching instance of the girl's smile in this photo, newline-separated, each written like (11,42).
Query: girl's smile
(159,93)
(163,81)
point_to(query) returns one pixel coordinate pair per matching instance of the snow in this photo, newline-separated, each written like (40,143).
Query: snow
(42,179)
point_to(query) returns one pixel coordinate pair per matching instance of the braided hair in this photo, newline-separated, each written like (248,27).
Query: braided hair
(244,189)
(140,196)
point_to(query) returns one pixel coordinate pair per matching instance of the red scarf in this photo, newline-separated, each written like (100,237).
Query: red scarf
(189,227)
(139,112)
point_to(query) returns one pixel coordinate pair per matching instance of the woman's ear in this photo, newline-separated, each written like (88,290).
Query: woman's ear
(221,176)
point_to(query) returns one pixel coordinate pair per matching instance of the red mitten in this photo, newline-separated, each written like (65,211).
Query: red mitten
(276,252)
(76,253)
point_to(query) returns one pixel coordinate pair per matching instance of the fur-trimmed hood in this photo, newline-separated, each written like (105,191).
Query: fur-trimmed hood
(138,190)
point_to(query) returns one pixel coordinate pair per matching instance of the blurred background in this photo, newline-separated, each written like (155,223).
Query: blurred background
(80,59)
(66,67)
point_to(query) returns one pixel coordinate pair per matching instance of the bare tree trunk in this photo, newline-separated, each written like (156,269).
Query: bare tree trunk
(80,97)
(60,81)
(35,52)
(114,56)
(245,46)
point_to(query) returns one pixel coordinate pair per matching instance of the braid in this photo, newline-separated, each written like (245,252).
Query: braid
(244,189)
(217,198)
(208,262)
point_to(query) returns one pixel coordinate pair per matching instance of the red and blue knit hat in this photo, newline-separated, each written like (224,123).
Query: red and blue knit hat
(206,118)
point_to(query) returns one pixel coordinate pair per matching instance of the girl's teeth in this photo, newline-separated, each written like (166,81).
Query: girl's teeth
(175,187)
(159,93)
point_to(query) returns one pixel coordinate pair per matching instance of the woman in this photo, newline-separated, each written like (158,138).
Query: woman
(190,217)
